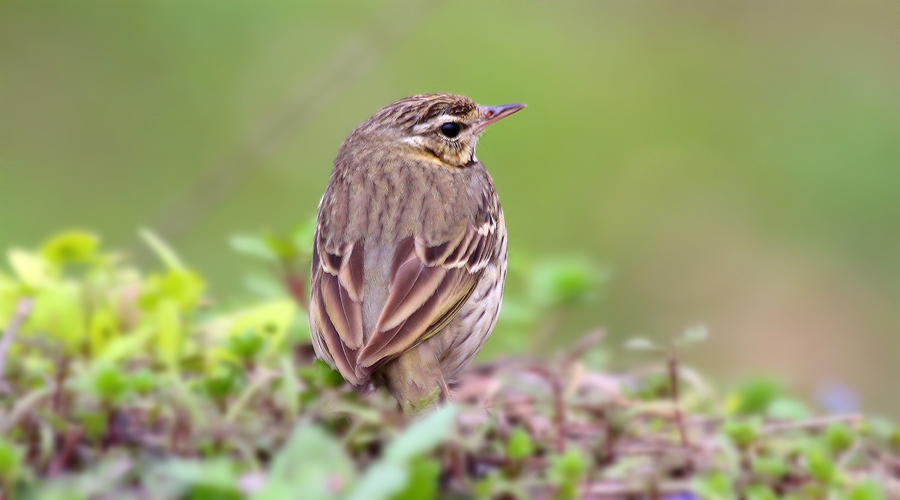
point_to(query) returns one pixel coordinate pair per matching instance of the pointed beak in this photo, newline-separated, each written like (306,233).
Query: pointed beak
(495,113)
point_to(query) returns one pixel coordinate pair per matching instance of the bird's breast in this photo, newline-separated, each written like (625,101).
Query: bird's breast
(393,199)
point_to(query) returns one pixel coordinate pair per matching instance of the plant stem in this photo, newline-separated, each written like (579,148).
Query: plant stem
(672,365)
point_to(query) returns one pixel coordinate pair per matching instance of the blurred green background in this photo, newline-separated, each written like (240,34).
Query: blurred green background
(734,163)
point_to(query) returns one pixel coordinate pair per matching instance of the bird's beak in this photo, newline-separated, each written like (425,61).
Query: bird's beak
(495,113)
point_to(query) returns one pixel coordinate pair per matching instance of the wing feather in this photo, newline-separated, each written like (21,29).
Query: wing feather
(345,360)
(422,323)
(413,284)
(427,291)
(339,289)
(428,286)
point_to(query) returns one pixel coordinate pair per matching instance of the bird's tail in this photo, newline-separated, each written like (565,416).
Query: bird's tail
(416,380)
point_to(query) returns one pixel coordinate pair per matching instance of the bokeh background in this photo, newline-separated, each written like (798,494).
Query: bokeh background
(735,164)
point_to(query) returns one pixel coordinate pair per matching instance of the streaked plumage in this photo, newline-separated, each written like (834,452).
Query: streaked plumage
(410,250)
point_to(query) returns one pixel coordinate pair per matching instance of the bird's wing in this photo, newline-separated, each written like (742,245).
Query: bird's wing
(336,303)
(428,286)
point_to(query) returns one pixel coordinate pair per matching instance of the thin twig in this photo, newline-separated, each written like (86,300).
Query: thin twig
(672,365)
(559,408)
(59,395)
(544,330)
(23,309)
(812,423)
(582,346)
(616,489)
(70,439)
(296,286)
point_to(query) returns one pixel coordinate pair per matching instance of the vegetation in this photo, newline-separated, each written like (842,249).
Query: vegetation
(123,384)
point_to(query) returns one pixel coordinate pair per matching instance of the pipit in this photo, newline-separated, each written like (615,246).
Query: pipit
(409,258)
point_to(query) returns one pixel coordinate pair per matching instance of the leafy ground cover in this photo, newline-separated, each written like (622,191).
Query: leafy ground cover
(119,383)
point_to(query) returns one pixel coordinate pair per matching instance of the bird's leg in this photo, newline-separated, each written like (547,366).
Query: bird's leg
(415,379)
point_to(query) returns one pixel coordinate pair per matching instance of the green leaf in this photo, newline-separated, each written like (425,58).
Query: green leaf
(9,297)
(246,345)
(788,409)
(326,375)
(162,250)
(755,396)
(742,433)
(169,333)
(11,461)
(423,436)
(221,384)
(867,490)
(96,482)
(93,423)
(758,492)
(104,327)
(566,471)
(839,438)
(143,381)
(820,464)
(520,445)
(127,345)
(290,387)
(770,468)
(58,312)
(184,287)
(880,428)
(195,479)
(381,482)
(253,246)
(641,344)
(312,465)
(71,247)
(423,481)
(32,270)
(694,335)
(270,321)
(302,237)
(566,282)
(717,486)
(110,383)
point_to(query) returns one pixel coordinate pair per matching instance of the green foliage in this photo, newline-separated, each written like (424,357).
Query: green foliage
(866,490)
(401,472)
(742,433)
(838,438)
(120,383)
(277,247)
(716,486)
(313,465)
(422,437)
(11,458)
(565,282)
(554,288)
(566,472)
(520,445)
(755,396)
(71,247)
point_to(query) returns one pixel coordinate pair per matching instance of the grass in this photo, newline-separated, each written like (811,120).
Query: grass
(126,384)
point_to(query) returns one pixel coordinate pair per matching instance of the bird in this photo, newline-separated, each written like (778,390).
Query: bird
(409,257)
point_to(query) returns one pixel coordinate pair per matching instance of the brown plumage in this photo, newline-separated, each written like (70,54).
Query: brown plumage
(409,257)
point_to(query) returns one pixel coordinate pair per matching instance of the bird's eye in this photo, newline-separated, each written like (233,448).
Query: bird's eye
(450,129)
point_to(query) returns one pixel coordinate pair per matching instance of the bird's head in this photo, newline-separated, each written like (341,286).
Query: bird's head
(438,128)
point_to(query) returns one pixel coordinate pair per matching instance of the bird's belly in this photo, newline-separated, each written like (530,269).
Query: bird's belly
(463,337)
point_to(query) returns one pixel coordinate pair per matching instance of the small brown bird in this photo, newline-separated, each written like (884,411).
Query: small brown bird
(409,257)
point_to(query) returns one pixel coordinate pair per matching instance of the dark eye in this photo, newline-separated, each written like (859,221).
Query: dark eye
(450,129)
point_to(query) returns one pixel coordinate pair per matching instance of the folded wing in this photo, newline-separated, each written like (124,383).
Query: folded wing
(428,286)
